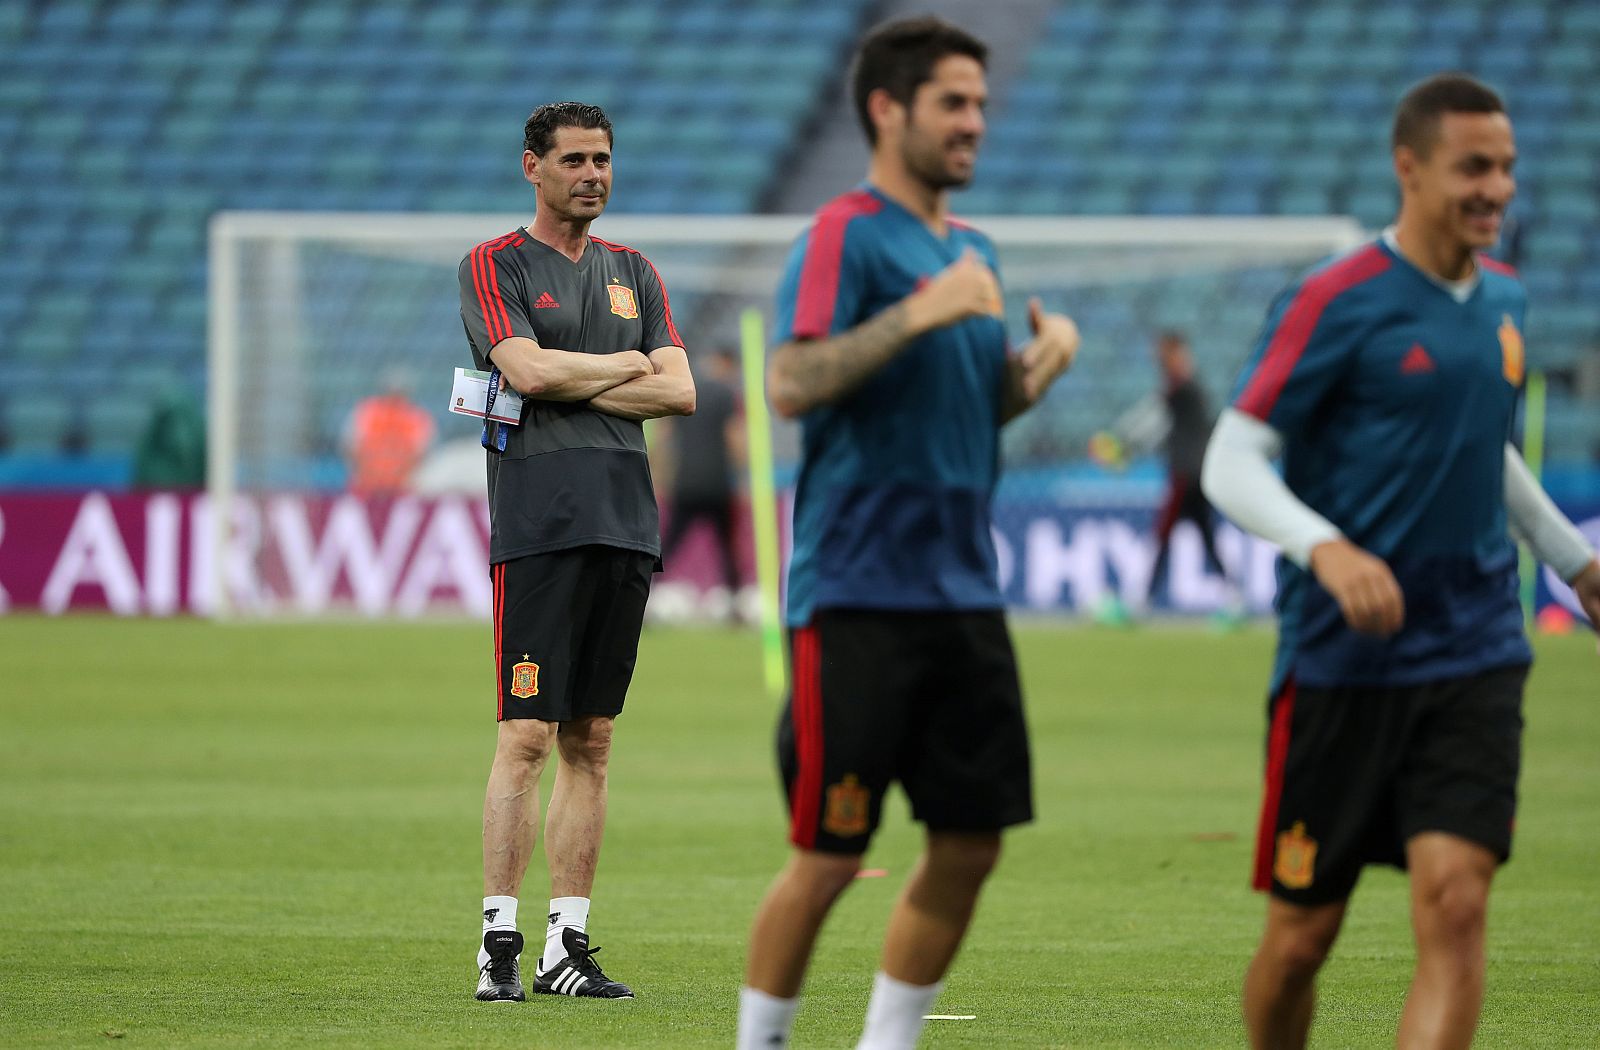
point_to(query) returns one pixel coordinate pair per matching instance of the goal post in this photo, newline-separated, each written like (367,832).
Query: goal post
(308,312)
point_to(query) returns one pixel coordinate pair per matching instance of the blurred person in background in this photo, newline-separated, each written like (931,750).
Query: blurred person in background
(171,453)
(707,448)
(386,438)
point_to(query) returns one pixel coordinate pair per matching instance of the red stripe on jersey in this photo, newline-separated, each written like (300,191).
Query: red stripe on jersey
(805,797)
(1496,266)
(495,320)
(666,301)
(1299,321)
(818,293)
(1277,756)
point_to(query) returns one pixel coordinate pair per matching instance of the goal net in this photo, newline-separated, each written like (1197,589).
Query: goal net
(310,313)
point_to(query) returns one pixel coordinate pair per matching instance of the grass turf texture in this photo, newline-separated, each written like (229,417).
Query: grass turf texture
(269,835)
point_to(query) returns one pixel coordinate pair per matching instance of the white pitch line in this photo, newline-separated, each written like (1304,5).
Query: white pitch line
(949,1017)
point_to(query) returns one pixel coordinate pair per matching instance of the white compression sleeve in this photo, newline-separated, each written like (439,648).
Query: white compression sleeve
(1239,480)
(1536,521)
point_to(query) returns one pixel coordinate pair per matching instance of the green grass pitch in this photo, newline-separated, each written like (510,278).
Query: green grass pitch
(269,835)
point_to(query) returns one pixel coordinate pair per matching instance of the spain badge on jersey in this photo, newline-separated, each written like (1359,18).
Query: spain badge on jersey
(622,301)
(524,678)
(1512,360)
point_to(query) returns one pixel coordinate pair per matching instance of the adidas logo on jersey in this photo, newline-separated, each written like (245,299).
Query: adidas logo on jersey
(1416,361)
(545,301)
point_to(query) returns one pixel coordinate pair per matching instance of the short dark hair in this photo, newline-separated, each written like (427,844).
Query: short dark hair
(539,133)
(899,57)
(1416,119)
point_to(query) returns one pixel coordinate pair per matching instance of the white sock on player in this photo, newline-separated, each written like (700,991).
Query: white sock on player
(499,913)
(764,1020)
(896,1014)
(566,913)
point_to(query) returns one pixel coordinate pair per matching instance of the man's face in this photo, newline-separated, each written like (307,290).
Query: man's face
(1461,189)
(945,124)
(573,179)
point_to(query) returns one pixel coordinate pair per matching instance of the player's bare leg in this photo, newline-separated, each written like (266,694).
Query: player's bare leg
(576,819)
(790,915)
(1450,880)
(936,905)
(1280,987)
(511,803)
(510,826)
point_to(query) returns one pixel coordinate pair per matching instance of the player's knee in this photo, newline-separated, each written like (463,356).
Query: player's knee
(822,877)
(1300,953)
(586,744)
(527,740)
(968,858)
(1457,905)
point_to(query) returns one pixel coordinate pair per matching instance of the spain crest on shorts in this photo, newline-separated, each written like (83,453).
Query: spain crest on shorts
(1511,352)
(524,678)
(1296,858)
(622,301)
(846,814)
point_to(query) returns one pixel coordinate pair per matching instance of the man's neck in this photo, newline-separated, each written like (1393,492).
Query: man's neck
(569,237)
(1446,260)
(890,178)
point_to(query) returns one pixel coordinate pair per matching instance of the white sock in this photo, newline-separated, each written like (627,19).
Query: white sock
(566,913)
(499,913)
(764,1020)
(896,1014)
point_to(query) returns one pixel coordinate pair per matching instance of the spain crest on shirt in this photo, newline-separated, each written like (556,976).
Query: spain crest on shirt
(622,301)
(1511,353)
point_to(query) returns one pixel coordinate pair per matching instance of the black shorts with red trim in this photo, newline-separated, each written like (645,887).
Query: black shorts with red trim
(566,631)
(928,699)
(1353,773)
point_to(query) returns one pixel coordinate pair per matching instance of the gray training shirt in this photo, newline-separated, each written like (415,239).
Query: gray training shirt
(569,475)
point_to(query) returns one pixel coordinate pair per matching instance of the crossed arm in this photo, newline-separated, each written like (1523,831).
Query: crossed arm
(630,385)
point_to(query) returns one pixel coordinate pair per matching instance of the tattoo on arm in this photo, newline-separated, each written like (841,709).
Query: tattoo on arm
(815,373)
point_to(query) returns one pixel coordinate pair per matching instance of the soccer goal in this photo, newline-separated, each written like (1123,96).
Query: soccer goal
(311,312)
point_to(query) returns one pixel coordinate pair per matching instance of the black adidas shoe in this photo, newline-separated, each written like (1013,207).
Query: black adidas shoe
(500,980)
(578,974)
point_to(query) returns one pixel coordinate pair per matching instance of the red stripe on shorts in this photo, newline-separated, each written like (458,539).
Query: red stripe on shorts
(499,615)
(805,797)
(1277,757)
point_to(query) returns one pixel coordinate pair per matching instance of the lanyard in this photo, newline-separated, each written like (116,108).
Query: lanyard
(494,432)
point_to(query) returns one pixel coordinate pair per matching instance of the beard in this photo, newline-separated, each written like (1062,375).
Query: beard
(931,164)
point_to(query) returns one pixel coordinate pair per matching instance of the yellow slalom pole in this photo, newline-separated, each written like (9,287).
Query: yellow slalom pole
(763,495)
(1533,453)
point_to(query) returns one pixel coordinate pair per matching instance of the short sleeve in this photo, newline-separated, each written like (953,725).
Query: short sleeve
(494,305)
(822,288)
(1310,337)
(655,309)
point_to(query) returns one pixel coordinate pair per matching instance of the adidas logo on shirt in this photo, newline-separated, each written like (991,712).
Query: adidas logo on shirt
(545,301)
(1416,361)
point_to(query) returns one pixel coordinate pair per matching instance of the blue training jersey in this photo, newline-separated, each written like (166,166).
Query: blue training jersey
(1395,401)
(892,504)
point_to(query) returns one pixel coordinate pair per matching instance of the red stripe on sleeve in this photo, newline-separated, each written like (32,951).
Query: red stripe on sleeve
(805,799)
(1277,756)
(495,321)
(511,241)
(1299,321)
(818,293)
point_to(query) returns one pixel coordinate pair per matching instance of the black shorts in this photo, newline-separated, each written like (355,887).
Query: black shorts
(929,699)
(566,631)
(1354,773)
